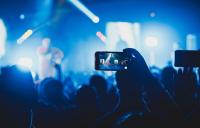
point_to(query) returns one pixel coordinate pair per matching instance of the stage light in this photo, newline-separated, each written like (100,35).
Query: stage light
(152,14)
(191,42)
(85,10)
(25,62)
(25,36)
(3,36)
(96,19)
(101,36)
(22,17)
(151,41)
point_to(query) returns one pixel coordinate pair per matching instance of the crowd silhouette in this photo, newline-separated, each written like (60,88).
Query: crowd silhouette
(137,98)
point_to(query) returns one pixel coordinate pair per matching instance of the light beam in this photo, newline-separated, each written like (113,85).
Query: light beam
(85,10)
(25,36)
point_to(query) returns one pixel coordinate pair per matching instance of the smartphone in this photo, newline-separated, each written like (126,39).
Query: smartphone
(110,61)
(187,58)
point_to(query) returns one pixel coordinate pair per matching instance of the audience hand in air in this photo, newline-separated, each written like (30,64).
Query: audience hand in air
(137,66)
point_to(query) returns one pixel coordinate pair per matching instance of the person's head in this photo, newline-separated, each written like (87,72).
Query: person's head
(46,42)
(86,101)
(99,83)
(168,74)
(86,97)
(51,91)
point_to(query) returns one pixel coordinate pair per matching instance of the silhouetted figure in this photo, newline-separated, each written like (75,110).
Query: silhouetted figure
(17,98)
(87,107)
(52,110)
(69,88)
(141,93)
(139,98)
(49,59)
(168,77)
(186,90)
(106,99)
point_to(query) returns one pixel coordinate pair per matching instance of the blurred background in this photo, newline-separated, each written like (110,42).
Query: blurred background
(80,28)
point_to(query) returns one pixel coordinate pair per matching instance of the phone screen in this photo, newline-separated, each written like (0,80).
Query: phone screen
(187,58)
(110,61)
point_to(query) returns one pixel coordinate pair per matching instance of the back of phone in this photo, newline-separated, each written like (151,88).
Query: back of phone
(187,58)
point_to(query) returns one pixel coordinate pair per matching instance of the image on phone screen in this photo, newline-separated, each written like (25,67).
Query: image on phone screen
(111,61)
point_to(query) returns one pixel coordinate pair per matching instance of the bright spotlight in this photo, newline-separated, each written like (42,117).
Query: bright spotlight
(22,17)
(151,41)
(96,19)
(152,14)
(26,35)
(191,42)
(3,36)
(101,36)
(25,62)
(85,10)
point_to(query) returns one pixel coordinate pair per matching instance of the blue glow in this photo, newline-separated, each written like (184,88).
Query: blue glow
(22,17)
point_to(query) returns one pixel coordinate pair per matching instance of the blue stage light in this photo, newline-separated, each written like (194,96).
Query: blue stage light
(85,10)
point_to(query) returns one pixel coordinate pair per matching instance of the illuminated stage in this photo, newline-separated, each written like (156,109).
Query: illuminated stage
(80,29)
